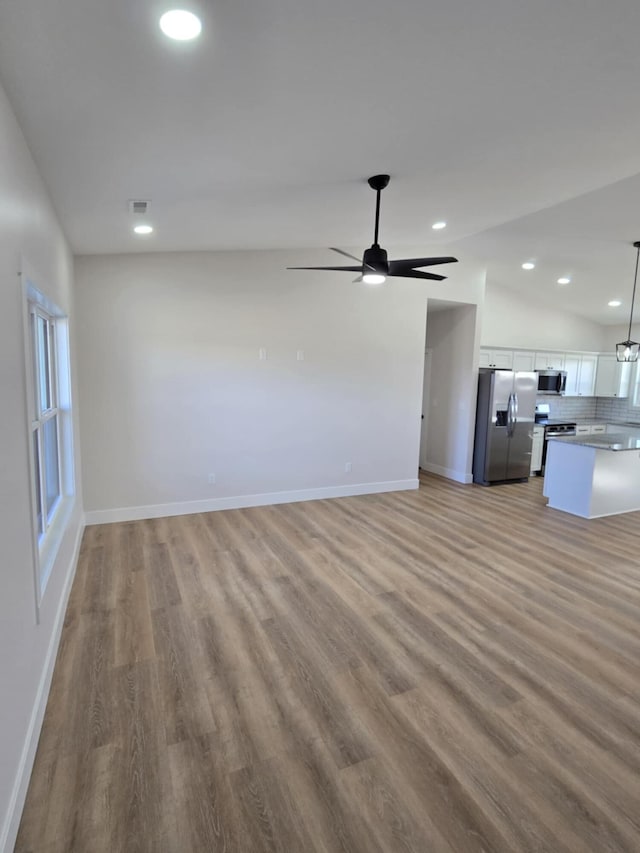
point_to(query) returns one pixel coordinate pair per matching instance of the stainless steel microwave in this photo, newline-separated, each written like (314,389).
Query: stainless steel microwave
(552,381)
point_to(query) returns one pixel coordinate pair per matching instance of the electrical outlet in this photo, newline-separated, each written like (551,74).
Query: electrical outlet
(347,467)
(262,353)
(212,479)
(300,355)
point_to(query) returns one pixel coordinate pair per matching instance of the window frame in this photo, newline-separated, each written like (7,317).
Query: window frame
(49,529)
(45,517)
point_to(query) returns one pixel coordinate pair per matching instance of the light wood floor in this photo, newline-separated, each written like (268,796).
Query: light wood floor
(430,671)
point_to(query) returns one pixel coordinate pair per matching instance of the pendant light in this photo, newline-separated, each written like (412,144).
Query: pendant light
(628,350)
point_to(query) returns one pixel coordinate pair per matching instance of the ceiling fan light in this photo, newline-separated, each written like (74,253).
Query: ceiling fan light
(628,350)
(374,278)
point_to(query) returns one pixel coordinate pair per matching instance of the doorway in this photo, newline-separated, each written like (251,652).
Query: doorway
(426,382)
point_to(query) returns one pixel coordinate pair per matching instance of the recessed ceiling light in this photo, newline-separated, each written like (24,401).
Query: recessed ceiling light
(564,280)
(528,265)
(614,303)
(180,25)
(438,226)
(143,229)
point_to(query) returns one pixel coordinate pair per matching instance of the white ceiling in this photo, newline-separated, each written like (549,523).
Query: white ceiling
(516,121)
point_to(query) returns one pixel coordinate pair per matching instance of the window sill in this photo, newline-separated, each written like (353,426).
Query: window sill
(49,544)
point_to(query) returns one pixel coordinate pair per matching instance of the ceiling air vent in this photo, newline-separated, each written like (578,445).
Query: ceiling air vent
(139,206)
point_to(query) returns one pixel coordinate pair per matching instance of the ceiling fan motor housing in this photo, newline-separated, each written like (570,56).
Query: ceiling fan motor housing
(375,258)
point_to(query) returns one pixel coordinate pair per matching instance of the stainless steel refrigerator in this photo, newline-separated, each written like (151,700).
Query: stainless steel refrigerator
(505,416)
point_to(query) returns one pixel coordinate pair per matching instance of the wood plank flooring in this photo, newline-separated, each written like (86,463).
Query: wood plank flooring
(451,670)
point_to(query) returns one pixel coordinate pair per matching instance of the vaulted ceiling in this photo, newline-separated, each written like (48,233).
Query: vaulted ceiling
(517,122)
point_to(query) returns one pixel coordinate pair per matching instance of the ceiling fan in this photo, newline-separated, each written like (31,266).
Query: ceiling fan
(375,267)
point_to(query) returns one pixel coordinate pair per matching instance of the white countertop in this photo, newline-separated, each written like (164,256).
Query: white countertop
(605,441)
(591,421)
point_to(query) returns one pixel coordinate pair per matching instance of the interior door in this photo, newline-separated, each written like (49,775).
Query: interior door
(426,381)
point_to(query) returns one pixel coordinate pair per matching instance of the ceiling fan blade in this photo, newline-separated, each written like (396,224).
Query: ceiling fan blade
(414,263)
(417,274)
(338,269)
(346,254)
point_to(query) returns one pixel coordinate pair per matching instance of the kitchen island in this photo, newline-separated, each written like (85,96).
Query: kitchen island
(593,475)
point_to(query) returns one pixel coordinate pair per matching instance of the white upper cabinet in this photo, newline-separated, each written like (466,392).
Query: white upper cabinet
(524,360)
(589,374)
(506,359)
(549,361)
(612,377)
(572,364)
(485,358)
(581,374)
(500,358)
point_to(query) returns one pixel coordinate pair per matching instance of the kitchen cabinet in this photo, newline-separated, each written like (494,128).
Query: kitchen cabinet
(589,374)
(590,429)
(612,377)
(524,360)
(549,361)
(506,359)
(593,480)
(500,358)
(537,448)
(581,374)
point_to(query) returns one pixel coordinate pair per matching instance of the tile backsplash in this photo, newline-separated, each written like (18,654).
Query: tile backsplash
(606,409)
(614,409)
(570,407)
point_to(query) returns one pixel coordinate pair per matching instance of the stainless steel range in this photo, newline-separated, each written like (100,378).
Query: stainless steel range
(553,427)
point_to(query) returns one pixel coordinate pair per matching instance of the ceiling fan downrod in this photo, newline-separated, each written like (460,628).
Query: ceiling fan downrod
(378,183)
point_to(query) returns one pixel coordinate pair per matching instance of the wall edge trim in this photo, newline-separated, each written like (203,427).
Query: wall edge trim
(449,473)
(137,513)
(13,815)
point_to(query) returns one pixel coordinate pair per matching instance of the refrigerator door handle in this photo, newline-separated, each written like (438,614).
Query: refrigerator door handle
(510,416)
(515,410)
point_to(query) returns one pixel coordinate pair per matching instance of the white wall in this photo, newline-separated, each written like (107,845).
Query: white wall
(453,337)
(511,320)
(614,334)
(29,229)
(173,389)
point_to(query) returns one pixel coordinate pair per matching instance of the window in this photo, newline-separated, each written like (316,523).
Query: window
(45,426)
(50,429)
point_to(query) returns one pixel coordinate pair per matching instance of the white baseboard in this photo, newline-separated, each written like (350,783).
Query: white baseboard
(21,784)
(449,473)
(135,513)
